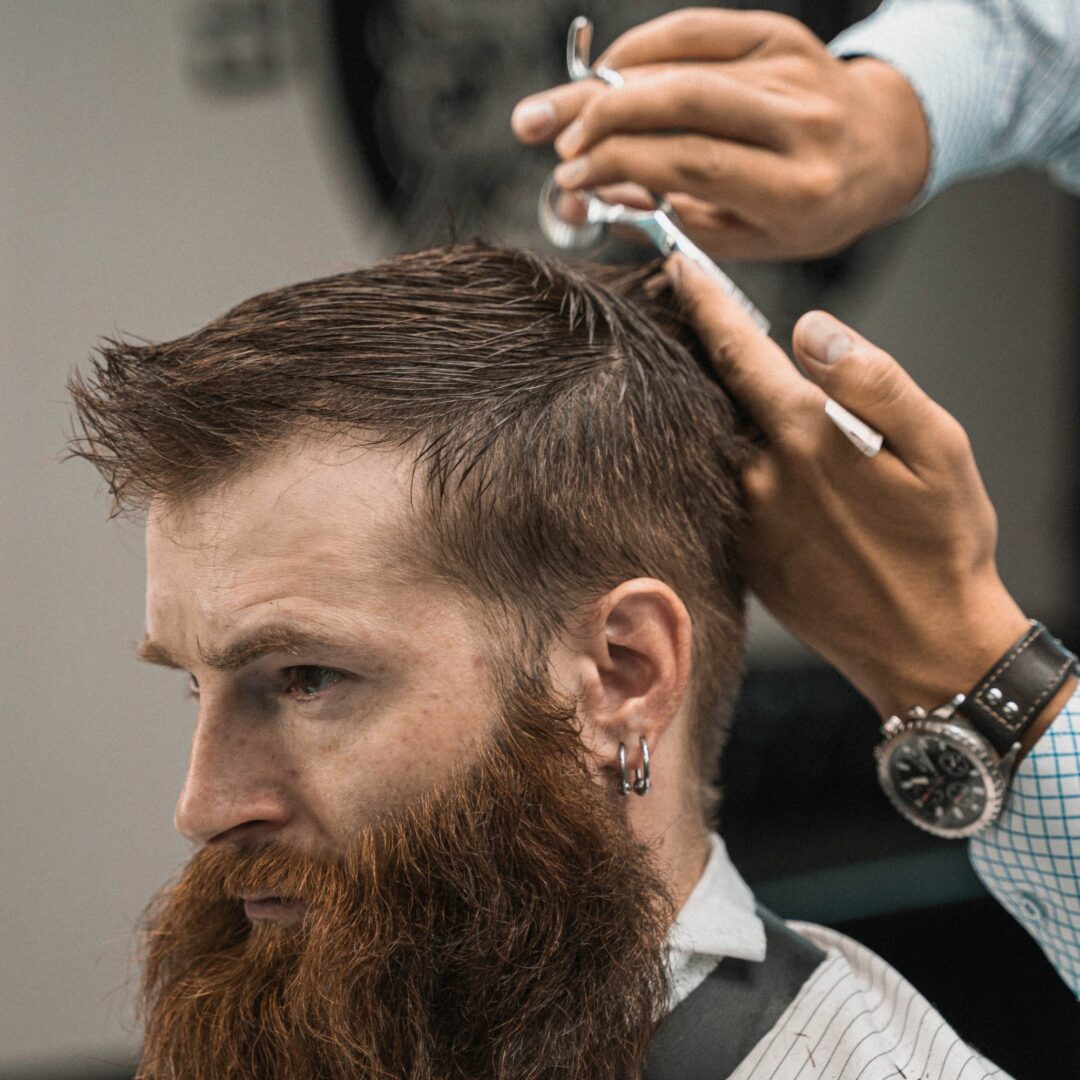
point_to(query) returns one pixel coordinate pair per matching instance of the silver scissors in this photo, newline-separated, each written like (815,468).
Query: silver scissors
(661,226)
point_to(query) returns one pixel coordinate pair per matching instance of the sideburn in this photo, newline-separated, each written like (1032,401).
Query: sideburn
(506,925)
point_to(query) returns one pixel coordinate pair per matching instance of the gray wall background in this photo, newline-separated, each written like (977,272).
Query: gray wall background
(130,203)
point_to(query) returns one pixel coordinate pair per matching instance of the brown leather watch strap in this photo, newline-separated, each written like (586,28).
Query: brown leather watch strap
(1012,694)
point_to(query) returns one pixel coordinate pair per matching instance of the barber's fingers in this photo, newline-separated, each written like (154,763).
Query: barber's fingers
(750,180)
(692,97)
(752,366)
(632,195)
(540,117)
(693,34)
(679,37)
(869,382)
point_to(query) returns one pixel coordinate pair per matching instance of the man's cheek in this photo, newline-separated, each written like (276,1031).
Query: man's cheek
(349,783)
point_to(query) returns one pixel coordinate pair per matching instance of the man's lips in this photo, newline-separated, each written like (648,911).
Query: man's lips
(275,908)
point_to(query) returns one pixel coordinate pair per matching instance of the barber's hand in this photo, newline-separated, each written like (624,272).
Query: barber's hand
(767,145)
(885,566)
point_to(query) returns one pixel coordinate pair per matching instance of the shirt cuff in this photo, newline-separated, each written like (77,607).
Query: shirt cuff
(1030,858)
(948,50)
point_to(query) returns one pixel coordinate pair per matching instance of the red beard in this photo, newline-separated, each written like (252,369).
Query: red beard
(506,925)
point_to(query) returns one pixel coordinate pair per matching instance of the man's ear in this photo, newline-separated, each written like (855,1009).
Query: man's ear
(632,655)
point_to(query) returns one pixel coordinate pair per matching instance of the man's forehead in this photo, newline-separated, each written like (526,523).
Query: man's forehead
(318,533)
(309,498)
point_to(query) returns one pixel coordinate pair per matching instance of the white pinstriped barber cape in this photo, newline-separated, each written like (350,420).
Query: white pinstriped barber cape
(855,1018)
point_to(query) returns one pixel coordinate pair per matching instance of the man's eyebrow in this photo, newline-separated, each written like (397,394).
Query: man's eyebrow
(276,637)
(150,652)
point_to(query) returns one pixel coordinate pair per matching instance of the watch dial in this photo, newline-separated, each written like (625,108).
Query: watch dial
(939,780)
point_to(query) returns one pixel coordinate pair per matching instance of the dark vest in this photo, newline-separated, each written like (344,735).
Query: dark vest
(709,1034)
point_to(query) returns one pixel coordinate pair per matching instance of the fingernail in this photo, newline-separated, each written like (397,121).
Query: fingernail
(533,119)
(823,338)
(569,142)
(571,173)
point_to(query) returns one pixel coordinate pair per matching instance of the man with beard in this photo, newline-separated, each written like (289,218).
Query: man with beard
(447,550)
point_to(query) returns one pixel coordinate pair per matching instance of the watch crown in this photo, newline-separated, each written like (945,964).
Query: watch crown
(893,726)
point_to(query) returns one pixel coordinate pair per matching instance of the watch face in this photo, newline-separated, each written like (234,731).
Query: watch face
(942,777)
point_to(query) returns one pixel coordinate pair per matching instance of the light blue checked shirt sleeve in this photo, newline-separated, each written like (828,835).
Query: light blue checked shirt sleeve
(1030,858)
(999,81)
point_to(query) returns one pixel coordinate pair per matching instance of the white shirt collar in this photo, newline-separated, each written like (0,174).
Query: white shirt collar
(717,920)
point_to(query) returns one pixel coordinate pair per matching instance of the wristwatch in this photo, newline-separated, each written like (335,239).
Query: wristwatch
(947,771)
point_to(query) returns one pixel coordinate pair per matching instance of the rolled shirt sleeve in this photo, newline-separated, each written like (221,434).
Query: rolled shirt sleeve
(1030,858)
(999,81)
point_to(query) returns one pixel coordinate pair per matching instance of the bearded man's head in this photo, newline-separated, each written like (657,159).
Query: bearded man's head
(436,543)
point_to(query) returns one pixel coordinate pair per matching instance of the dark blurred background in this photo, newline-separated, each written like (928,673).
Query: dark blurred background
(167,158)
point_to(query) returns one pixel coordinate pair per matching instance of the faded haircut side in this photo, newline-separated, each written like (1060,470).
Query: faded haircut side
(566,430)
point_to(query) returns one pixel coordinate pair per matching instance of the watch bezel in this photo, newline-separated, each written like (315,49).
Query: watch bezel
(972,742)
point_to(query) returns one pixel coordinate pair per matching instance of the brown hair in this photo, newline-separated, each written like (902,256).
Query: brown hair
(568,434)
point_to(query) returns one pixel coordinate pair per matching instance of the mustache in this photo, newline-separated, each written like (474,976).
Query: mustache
(232,874)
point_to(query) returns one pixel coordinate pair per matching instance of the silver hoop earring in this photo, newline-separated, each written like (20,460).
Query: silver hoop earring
(624,776)
(642,782)
(642,777)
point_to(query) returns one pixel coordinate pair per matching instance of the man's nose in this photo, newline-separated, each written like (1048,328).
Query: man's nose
(231,786)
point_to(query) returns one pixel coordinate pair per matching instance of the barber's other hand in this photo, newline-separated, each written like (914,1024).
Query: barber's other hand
(885,566)
(768,147)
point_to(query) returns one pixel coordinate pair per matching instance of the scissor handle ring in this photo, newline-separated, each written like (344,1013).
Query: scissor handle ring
(564,235)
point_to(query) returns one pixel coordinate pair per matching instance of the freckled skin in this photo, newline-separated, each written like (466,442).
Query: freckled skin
(303,536)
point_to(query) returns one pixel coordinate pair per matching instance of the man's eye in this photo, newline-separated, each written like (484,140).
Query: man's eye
(309,680)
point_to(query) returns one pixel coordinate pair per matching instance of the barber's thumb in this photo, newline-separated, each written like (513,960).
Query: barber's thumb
(854,371)
(822,339)
(843,362)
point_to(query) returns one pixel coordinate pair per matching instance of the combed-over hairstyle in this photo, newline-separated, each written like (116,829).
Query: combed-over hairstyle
(567,434)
